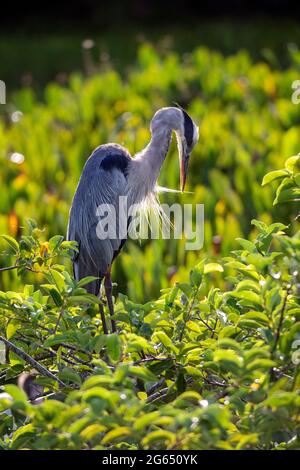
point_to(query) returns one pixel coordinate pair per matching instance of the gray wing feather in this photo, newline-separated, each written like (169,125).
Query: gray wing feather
(96,187)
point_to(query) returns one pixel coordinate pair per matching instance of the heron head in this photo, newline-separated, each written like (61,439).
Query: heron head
(177,119)
(187,137)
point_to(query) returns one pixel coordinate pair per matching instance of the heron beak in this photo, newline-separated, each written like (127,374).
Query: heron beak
(184,161)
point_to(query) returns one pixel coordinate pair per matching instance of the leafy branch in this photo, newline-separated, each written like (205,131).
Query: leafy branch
(30,360)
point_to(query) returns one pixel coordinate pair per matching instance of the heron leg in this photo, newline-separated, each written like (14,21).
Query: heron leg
(108,292)
(101,310)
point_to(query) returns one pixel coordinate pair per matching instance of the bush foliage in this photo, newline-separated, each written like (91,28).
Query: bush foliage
(199,368)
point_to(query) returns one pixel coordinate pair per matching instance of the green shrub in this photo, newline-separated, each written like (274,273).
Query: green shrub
(199,368)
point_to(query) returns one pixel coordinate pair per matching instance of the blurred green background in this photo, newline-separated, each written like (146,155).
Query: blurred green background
(68,93)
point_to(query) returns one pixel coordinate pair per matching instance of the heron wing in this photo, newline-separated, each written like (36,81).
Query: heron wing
(95,220)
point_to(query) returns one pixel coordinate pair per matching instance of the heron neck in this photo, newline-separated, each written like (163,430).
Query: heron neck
(147,164)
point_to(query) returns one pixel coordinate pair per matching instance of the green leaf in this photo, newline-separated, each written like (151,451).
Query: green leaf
(228,331)
(193,326)
(274,175)
(281,399)
(185,288)
(285,184)
(171,297)
(228,343)
(181,382)
(118,433)
(159,367)
(92,431)
(166,438)
(288,195)
(189,397)
(196,274)
(193,371)
(264,364)
(246,244)
(297,179)
(145,420)
(56,297)
(229,360)
(274,298)
(262,227)
(86,280)
(16,393)
(83,299)
(12,327)
(113,345)
(22,435)
(56,339)
(255,353)
(96,380)
(256,319)
(58,279)
(250,298)
(29,241)
(292,164)
(166,341)
(69,375)
(137,343)
(99,399)
(12,243)
(142,373)
(248,284)
(213,267)
(55,242)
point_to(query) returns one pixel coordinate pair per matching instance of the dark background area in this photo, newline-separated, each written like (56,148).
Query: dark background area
(43,42)
(105,14)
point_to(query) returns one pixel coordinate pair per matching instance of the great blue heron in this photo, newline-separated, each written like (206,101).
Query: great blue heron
(109,173)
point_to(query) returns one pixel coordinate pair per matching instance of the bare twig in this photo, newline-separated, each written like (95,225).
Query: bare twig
(75,348)
(77,360)
(277,335)
(157,395)
(204,323)
(58,320)
(16,266)
(214,328)
(9,268)
(42,397)
(189,312)
(164,392)
(156,386)
(50,352)
(64,345)
(221,395)
(151,359)
(39,367)
(214,383)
